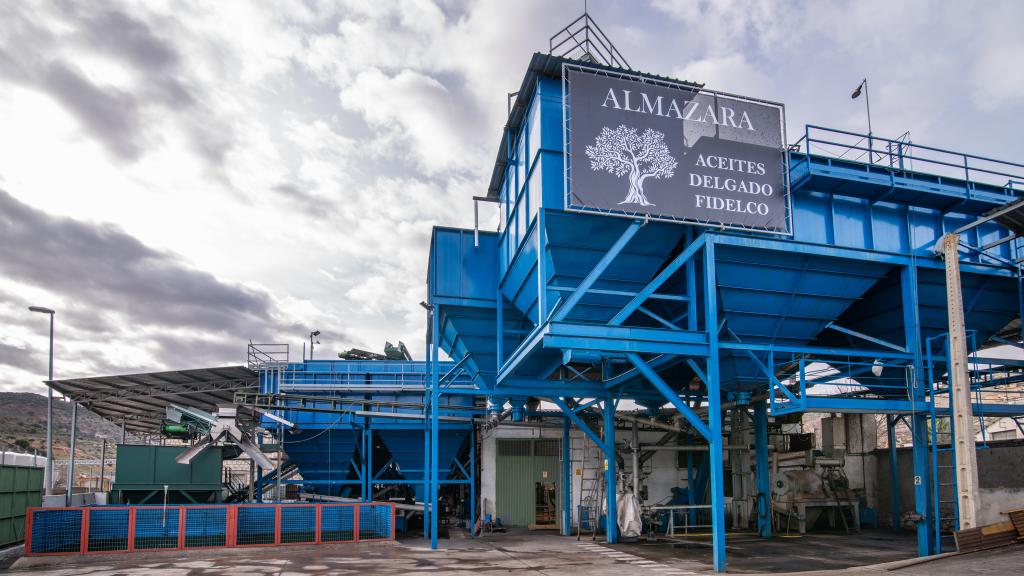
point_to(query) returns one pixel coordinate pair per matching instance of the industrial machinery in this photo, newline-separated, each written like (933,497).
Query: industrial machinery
(149,474)
(360,429)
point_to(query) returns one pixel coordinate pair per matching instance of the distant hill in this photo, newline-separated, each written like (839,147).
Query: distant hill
(23,426)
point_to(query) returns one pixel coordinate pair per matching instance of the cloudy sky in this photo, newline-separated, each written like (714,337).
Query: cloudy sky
(177,178)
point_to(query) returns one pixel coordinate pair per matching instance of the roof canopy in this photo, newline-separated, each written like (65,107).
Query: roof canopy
(140,400)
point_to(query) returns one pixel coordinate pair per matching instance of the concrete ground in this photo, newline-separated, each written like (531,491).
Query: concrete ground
(539,553)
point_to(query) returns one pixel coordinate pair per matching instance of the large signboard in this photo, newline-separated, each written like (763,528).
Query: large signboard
(641,147)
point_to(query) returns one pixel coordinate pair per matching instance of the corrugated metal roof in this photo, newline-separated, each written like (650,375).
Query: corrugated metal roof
(550,66)
(140,400)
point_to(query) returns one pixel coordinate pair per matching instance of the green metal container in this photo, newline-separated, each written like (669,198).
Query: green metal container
(20,487)
(144,471)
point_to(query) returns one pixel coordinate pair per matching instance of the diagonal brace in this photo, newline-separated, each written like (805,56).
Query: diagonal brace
(582,425)
(670,395)
(660,279)
(863,336)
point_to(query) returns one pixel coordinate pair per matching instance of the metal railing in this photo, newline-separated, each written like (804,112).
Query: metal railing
(112,529)
(266,356)
(905,156)
(684,518)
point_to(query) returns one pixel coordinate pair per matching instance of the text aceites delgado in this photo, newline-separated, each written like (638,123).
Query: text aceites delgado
(731,183)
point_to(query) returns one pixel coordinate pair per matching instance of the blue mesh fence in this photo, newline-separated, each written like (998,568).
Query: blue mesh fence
(256,525)
(337,523)
(374,522)
(108,529)
(143,528)
(206,526)
(156,528)
(298,524)
(56,531)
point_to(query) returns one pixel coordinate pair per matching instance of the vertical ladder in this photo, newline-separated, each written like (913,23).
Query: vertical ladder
(591,487)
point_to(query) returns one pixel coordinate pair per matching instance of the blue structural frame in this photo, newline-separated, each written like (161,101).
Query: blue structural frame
(582,309)
(344,411)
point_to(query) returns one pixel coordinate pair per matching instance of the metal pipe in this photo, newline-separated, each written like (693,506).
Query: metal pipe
(636,461)
(692,448)
(103,464)
(280,455)
(71,455)
(49,419)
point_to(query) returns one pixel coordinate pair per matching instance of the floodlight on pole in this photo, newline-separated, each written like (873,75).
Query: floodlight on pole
(863,87)
(313,335)
(48,472)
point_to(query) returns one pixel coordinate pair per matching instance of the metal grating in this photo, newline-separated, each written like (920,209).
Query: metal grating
(56,531)
(206,527)
(256,525)
(108,529)
(337,523)
(156,528)
(513,447)
(298,524)
(547,448)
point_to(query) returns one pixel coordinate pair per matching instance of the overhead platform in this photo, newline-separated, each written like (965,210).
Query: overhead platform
(140,400)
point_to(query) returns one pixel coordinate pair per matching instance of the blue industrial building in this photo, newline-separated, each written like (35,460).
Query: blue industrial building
(584,309)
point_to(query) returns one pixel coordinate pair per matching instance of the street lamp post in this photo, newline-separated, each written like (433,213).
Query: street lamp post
(313,335)
(867,102)
(48,480)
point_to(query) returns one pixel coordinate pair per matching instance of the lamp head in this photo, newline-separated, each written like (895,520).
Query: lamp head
(41,310)
(856,93)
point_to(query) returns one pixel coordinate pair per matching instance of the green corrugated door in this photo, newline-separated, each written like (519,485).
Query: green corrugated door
(520,465)
(20,488)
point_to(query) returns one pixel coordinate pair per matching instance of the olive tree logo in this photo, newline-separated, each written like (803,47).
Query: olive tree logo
(639,155)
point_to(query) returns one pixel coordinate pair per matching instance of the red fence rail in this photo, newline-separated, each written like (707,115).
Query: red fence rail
(120,529)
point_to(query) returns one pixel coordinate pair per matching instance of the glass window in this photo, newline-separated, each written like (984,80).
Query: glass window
(521,163)
(502,210)
(534,189)
(533,122)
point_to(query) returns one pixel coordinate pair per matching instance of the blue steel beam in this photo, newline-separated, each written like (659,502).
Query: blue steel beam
(624,339)
(611,528)
(862,336)
(795,247)
(815,351)
(434,438)
(588,282)
(670,395)
(894,475)
(566,479)
(581,425)
(764,488)
(922,477)
(714,409)
(658,362)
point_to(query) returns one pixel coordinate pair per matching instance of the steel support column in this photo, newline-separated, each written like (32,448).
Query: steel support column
(764,489)
(714,409)
(472,480)
(962,420)
(71,453)
(434,437)
(611,519)
(894,474)
(566,478)
(919,419)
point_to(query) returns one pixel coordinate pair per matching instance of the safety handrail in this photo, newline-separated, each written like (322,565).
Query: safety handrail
(966,166)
